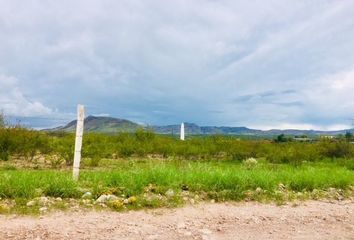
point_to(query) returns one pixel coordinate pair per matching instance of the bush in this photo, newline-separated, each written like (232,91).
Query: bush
(5,144)
(336,148)
(144,135)
(28,144)
(65,147)
(2,120)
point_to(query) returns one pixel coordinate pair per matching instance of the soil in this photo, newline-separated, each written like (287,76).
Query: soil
(304,220)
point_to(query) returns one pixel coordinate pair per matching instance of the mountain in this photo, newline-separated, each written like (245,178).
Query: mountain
(191,128)
(102,125)
(194,129)
(113,125)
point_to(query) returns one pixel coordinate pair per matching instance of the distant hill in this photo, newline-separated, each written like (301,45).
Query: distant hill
(194,129)
(114,125)
(101,125)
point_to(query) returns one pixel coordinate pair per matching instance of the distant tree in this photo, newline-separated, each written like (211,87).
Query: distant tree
(301,136)
(282,138)
(2,120)
(348,136)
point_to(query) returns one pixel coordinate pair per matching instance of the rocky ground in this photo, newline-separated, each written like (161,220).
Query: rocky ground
(304,220)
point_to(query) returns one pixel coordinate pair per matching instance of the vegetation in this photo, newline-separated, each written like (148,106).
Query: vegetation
(349,136)
(148,170)
(2,120)
(282,138)
(151,182)
(27,144)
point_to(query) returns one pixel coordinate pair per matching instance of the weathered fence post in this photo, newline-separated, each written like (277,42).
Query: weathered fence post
(78,140)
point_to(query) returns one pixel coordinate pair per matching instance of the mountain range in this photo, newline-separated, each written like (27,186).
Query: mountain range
(114,125)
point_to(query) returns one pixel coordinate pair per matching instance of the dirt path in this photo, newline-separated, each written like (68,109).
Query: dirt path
(309,220)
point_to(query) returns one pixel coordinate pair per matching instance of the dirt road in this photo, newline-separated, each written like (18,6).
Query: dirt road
(309,220)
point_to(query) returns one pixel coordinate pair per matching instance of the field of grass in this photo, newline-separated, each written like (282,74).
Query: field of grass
(149,182)
(147,170)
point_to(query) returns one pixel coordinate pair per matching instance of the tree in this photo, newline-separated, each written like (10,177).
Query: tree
(282,138)
(2,120)
(348,136)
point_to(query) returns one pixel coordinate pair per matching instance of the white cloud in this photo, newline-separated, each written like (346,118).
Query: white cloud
(332,96)
(14,102)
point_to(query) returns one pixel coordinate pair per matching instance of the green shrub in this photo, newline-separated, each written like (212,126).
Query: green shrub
(28,144)
(64,148)
(336,148)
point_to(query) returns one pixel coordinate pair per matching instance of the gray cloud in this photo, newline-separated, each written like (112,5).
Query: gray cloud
(252,63)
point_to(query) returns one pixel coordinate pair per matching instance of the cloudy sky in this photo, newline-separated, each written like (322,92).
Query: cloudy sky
(264,64)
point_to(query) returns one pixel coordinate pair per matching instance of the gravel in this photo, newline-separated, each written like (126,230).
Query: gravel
(308,220)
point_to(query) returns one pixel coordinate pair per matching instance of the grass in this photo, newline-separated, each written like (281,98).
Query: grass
(224,180)
(31,183)
(145,166)
(206,176)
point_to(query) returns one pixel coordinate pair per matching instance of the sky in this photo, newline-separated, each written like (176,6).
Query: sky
(261,64)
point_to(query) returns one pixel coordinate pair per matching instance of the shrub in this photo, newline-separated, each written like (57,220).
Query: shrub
(2,120)
(5,144)
(17,141)
(65,147)
(336,148)
(250,162)
(144,135)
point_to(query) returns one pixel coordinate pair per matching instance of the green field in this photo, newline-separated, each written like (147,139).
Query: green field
(144,170)
(149,180)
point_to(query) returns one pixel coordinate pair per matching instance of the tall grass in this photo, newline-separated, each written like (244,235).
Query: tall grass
(30,184)
(209,177)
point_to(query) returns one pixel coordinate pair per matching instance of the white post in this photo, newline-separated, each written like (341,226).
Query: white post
(78,140)
(182,132)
